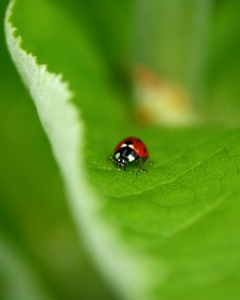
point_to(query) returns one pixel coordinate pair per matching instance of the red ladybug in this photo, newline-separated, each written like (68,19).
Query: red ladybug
(128,150)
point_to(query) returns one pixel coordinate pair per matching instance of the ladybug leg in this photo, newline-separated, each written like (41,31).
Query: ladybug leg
(140,165)
(121,167)
(111,159)
(146,160)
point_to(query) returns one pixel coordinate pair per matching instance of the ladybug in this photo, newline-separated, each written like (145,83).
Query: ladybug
(128,150)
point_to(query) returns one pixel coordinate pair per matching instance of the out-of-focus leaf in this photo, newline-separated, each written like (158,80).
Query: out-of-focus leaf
(17,279)
(33,210)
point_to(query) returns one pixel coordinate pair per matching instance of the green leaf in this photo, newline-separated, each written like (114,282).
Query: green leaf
(34,218)
(18,280)
(170,233)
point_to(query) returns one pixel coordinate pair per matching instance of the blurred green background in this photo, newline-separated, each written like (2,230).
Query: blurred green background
(36,229)
(35,225)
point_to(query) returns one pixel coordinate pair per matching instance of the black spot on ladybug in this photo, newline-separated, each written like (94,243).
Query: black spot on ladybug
(145,150)
(139,140)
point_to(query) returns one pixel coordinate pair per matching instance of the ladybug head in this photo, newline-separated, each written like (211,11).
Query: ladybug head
(122,161)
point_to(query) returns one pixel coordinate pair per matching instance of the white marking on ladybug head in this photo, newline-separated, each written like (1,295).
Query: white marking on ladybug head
(124,145)
(130,146)
(131,157)
(117,155)
(122,161)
